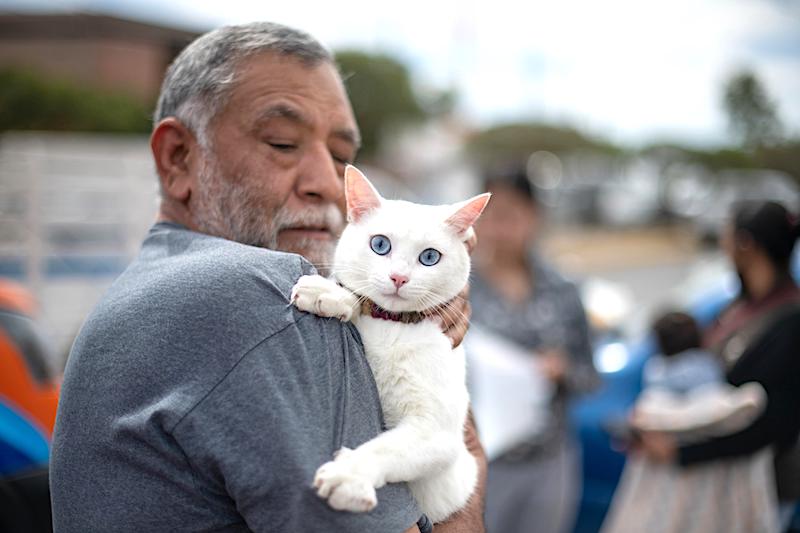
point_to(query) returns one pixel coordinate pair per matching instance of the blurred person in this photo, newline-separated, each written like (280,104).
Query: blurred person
(516,295)
(195,396)
(684,395)
(681,364)
(28,401)
(757,336)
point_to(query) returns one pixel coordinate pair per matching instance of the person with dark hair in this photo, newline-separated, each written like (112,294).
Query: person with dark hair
(685,396)
(682,364)
(757,338)
(533,486)
(676,332)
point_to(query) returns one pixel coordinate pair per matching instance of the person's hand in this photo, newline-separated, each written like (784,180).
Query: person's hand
(658,447)
(554,364)
(453,316)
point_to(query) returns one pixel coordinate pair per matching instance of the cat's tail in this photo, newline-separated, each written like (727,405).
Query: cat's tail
(443,493)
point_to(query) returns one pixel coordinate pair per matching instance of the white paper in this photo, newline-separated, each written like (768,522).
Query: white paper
(510,396)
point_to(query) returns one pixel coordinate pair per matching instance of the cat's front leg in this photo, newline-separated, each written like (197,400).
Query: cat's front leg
(344,487)
(405,453)
(323,297)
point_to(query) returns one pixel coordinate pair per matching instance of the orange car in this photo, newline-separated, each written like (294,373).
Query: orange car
(28,388)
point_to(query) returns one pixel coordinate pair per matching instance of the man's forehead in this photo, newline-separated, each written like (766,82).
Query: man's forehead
(277,86)
(270,72)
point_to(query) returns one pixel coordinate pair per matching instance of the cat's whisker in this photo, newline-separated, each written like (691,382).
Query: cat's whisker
(349,268)
(451,307)
(361,287)
(453,311)
(429,303)
(359,293)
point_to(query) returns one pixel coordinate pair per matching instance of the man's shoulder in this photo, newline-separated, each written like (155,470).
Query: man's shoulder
(177,260)
(189,289)
(186,312)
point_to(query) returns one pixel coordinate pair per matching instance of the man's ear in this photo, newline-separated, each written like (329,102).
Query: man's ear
(173,146)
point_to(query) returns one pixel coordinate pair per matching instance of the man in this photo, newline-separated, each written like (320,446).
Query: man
(195,397)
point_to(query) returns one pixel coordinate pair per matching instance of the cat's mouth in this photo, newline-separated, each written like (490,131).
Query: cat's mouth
(396,303)
(391,299)
(394,296)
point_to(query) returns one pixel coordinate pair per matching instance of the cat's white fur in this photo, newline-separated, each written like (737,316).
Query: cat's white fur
(420,376)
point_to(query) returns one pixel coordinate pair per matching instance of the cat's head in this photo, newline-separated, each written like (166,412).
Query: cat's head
(401,255)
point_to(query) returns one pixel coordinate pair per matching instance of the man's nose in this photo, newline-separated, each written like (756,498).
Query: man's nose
(319,180)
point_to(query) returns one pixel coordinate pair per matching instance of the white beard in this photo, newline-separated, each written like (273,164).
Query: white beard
(226,209)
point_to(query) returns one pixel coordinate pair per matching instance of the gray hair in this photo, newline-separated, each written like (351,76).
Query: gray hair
(199,81)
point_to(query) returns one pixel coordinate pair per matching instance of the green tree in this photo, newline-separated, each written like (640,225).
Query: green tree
(515,142)
(30,101)
(784,156)
(382,95)
(751,112)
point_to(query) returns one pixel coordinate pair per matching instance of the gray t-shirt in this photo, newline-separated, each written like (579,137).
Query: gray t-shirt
(196,398)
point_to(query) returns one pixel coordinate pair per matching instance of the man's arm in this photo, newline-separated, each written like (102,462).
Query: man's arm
(259,436)
(453,317)
(470,518)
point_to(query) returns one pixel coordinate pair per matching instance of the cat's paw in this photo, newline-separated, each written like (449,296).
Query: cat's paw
(345,489)
(323,297)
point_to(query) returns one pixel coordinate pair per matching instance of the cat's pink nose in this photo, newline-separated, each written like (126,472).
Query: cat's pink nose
(399,279)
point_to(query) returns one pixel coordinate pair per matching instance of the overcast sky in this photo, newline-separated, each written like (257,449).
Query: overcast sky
(632,70)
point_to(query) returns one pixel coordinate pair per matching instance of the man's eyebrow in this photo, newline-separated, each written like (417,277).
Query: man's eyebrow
(283,111)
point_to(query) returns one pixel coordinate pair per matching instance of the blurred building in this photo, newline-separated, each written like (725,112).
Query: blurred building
(93,50)
(74,207)
(73,211)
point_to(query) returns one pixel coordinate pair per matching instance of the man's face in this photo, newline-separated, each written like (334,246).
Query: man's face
(272,175)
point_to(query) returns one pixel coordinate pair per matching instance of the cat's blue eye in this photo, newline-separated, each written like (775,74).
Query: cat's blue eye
(380,244)
(429,257)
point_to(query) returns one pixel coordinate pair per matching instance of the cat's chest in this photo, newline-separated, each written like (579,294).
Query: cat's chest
(388,333)
(416,370)
(395,347)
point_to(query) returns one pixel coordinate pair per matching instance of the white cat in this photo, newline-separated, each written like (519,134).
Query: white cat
(394,260)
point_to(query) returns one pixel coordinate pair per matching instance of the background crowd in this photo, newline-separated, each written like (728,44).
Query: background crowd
(596,229)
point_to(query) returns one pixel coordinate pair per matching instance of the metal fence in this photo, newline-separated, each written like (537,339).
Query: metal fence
(73,211)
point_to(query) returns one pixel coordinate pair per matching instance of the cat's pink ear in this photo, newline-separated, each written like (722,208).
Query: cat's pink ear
(360,193)
(467,213)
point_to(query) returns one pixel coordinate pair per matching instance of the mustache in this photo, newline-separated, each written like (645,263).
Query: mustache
(326,217)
